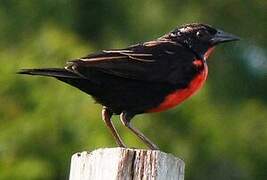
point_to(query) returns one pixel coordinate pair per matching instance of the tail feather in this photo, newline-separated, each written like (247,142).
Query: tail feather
(53,72)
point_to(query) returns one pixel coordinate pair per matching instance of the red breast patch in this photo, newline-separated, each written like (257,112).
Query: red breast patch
(180,95)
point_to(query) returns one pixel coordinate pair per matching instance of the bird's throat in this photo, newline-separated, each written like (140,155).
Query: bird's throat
(208,53)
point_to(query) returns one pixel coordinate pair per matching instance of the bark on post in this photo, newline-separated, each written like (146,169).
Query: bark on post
(125,164)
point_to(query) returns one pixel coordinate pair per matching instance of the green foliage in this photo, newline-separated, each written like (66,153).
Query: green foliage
(221,133)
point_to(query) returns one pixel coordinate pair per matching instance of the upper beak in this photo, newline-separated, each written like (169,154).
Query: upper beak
(221,37)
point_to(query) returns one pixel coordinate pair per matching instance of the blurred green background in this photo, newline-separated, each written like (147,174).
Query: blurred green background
(221,133)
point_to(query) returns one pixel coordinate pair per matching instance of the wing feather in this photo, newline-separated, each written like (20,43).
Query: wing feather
(162,62)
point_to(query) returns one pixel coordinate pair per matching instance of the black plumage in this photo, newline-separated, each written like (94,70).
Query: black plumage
(136,79)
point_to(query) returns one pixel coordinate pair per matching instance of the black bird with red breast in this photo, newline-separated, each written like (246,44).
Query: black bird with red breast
(147,77)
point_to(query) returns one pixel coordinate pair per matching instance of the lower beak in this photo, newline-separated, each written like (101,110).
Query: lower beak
(221,37)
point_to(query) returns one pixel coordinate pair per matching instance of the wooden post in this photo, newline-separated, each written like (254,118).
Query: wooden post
(125,164)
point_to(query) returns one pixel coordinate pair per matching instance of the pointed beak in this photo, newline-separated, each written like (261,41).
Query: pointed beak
(221,37)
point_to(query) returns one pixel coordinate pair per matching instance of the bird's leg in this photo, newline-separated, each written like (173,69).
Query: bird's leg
(106,116)
(126,120)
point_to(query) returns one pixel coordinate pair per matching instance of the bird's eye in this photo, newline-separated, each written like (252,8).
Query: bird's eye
(198,33)
(202,34)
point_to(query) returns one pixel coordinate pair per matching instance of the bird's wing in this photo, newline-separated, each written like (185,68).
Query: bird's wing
(156,61)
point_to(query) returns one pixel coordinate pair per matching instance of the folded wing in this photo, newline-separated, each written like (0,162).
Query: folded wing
(154,61)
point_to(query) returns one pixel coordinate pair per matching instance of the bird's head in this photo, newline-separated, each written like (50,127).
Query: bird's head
(200,38)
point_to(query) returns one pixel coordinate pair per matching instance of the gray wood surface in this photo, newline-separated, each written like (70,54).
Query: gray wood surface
(126,164)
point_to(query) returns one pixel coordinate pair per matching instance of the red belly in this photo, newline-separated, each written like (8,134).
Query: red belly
(180,95)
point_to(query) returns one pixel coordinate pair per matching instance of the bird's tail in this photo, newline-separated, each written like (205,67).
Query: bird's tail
(53,72)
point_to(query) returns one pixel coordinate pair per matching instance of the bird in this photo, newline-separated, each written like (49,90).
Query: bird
(147,77)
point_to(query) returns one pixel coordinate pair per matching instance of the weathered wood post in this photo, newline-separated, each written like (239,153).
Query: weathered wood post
(125,164)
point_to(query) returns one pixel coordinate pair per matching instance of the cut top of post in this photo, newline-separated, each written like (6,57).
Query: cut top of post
(126,164)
